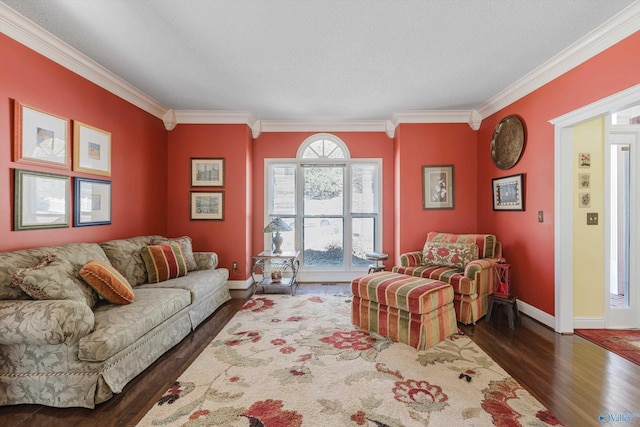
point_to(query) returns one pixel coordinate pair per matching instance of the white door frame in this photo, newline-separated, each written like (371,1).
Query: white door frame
(622,317)
(563,210)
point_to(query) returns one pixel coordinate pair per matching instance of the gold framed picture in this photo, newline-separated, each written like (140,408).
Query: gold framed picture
(91,149)
(40,137)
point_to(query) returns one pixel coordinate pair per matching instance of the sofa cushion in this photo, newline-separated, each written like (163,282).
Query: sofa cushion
(164,262)
(449,254)
(454,276)
(54,279)
(76,253)
(107,282)
(199,283)
(125,256)
(187,250)
(118,326)
(486,242)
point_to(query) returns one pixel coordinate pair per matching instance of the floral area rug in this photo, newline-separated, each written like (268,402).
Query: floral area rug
(285,361)
(623,342)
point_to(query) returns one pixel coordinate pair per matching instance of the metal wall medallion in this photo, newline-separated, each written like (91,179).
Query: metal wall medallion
(507,142)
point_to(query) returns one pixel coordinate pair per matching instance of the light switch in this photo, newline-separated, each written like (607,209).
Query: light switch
(540,216)
(592,218)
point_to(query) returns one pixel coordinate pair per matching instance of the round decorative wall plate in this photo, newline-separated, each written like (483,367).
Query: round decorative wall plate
(507,142)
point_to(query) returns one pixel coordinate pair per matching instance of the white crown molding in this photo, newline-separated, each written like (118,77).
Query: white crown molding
(36,38)
(471,117)
(619,27)
(313,126)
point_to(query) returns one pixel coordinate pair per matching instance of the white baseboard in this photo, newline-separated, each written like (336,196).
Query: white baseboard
(588,322)
(239,284)
(537,314)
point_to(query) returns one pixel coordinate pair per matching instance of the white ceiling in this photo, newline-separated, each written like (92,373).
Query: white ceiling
(324,60)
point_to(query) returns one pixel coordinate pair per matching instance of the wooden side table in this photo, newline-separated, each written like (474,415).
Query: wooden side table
(510,302)
(283,261)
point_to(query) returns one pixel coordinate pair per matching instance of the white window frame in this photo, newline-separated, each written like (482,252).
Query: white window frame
(315,274)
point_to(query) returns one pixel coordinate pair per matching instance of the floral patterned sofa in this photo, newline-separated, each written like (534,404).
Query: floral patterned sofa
(465,261)
(70,346)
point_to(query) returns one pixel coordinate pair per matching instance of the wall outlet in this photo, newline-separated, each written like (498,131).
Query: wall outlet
(235,265)
(592,218)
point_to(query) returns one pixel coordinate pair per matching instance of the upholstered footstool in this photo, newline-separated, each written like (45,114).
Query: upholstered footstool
(407,309)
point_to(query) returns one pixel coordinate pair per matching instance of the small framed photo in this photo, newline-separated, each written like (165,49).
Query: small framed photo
(40,138)
(207,205)
(41,200)
(584,160)
(92,202)
(91,149)
(584,180)
(437,187)
(508,193)
(207,172)
(584,199)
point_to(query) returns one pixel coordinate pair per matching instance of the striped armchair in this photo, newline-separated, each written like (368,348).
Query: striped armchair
(465,261)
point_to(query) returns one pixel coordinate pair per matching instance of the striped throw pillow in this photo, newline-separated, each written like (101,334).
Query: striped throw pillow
(164,262)
(107,282)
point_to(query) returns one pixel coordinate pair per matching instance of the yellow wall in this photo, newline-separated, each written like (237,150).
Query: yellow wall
(588,244)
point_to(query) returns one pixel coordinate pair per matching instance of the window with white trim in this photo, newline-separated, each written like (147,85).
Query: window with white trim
(332,203)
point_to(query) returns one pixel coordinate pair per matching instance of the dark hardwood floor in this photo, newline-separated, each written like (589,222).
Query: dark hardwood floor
(577,380)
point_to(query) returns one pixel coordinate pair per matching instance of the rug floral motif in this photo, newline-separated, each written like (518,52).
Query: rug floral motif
(287,361)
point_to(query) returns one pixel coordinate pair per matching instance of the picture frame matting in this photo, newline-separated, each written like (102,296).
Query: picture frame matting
(438,187)
(207,205)
(508,193)
(92,202)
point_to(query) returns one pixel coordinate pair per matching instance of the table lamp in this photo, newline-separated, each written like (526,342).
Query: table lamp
(276,226)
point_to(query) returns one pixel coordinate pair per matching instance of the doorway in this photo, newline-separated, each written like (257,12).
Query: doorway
(621,293)
(564,206)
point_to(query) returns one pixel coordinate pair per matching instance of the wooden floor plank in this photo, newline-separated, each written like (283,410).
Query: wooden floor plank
(574,378)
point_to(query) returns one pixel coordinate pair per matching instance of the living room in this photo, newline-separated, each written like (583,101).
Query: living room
(150,165)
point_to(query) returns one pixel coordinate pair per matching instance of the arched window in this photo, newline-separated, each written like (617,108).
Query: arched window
(323,146)
(332,203)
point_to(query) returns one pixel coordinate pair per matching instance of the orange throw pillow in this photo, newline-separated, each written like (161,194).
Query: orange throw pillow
(107,282)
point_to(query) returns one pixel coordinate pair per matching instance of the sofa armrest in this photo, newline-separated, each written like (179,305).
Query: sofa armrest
(472,268)
(44,322)
(206,260)
(411,259)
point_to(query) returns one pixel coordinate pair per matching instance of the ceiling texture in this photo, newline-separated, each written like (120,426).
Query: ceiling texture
(323,60)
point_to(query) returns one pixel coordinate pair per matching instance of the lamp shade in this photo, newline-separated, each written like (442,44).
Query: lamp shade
(276,225)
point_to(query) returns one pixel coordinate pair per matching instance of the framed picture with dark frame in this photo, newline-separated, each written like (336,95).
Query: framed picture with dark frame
(508,193)
(91,149)
(41,200)
(207,205)
(92,202)
(40,138)
(207,172)
(437,187)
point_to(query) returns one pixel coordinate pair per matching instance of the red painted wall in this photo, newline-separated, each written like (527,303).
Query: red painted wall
(139,153)
(417,145)
(360,144)
(230,238)
(529,245)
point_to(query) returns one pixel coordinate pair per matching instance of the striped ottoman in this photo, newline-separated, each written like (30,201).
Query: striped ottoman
(407,309)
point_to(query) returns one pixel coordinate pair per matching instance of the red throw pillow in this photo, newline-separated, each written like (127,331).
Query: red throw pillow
(164,262)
